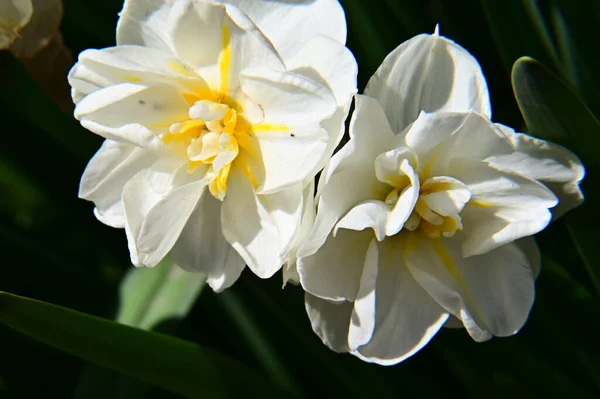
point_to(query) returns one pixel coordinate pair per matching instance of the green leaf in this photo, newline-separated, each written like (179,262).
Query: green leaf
(170,363)
(255,339)
(150,296)
(553,111)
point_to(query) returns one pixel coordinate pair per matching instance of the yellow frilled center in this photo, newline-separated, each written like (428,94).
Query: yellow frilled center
(210,138)
(423,217)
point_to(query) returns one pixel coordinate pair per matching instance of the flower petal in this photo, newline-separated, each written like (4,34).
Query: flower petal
(334,271)
(202,247)
(351,171)
(555,166)
(97,69)
(330,321)
(289,25)
(290,140)
(151,23)
(105,176)
(157,203)
(290,271)
(132,113)
(260,227)
(332,62)
(362,321)
(406,316)
(369,214)
(428,73)
(490,292)
(504,206)
(445,195)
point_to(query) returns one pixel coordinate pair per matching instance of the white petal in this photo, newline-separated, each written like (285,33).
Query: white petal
(494,291)
(369,214)
(406,316)
(504,206)
(445,195)
(555,166)
(97,69)
(428,73)
(289,156)
(165,182)
(289,25)
(151,23)
(106,174)
(202,247)
(285,209)
(405,204)
(330,321)
(197,31)
(290,271)
(334,271)
(132,113)
(388,166)
(429,130)
(138,199)
(14,15)
(164,222)
(332,62)
(290,140)
(439,137)
(288,98)
(530,248)
(362,321)
(351,171)
(258,227)
(248,48)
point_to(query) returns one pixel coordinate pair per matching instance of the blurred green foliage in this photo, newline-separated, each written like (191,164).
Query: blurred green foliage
(56,251)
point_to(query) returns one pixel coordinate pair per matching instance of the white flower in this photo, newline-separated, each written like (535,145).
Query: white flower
(14,15)
(217,116)
(425,215)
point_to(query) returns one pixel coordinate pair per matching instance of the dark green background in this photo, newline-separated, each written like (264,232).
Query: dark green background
(55,250)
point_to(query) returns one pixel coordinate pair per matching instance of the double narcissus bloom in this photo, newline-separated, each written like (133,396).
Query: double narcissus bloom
(217,116)
(425,215)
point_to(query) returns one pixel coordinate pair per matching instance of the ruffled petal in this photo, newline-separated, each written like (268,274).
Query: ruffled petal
(289,25)
(330,321)
(334,271)
(260,227)
(157,204)
(555,166)
(428,73)
(504,206)
(203,248)
(107,173)
(132,113)
(491,293)
(406,317)
(351,171)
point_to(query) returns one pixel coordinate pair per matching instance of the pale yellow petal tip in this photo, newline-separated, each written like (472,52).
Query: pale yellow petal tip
(436,31)
(15,17)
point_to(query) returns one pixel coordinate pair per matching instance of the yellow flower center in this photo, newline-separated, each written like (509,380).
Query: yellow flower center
(209,138)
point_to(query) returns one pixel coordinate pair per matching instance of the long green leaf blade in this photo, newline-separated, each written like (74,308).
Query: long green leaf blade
(170,363)
(150,296)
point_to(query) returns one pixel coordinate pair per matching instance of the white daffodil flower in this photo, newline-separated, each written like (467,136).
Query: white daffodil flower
(14,15)
(217,115)
(425,215)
